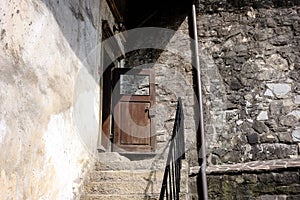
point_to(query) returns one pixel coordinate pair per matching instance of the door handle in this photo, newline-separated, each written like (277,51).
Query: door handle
(151,112)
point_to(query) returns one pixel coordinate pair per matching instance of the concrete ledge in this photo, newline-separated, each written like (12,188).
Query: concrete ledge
(255,166)
(250,167)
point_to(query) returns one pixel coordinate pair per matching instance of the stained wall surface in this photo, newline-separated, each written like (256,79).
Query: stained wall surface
(49,95)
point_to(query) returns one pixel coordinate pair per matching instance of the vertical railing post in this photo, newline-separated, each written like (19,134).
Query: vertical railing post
(201,116)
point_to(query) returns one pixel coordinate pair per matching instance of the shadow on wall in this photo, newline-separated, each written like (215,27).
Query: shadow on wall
(80,22)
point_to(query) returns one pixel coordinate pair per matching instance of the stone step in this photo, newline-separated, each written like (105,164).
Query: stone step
(127,175)
(130,165)
(133,176)
(115,161)
(121,197)
(134,165)
(123,188)
(117,177)
(154,196)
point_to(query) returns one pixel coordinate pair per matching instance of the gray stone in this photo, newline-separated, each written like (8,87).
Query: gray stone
(273,197)
(280,40)
(272,124)
(295,113)
(268,138)
(297,99)
(252,138)
(280,89)
(276,107)
(269,93)
(288,120)
(260,127)
(296,135)
(246,128)
(235,84)
(263,115)
(266,74)
(273,151)
(277,62)
(239,122)
(285,137)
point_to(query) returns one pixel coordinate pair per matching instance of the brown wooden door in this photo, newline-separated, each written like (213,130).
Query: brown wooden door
(133,118)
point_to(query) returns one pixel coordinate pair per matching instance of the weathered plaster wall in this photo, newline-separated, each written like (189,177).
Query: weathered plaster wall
(48,96)
(250,60)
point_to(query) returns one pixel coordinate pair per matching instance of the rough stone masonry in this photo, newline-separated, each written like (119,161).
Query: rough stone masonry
(250,71)
(250,59)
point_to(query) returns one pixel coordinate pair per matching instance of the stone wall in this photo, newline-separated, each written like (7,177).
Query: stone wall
(170,56)
(282,185)
(264,180)
(211,6)
(250,67)
(49,95)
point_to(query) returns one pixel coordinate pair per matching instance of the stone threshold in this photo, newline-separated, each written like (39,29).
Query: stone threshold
(138,155)
(250,167)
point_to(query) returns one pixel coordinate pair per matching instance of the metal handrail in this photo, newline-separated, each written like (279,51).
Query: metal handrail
(171,181)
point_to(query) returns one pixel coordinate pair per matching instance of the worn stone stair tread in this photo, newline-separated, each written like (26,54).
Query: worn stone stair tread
(130,165)
(134,165)
(117,176)
(122,187)
(121,197)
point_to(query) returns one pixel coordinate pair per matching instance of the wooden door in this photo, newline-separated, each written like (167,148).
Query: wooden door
(133,117)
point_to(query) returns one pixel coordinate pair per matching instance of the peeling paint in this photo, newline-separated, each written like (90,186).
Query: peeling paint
(41,153)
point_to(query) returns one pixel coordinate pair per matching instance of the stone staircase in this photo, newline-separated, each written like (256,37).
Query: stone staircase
(117,178)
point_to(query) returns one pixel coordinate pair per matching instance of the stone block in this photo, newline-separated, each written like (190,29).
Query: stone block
(295,113)
(263,115)
(268,138)
(268,93)
(260,127)
(276,108)
(273,151)
(296,135)
(252,138)
(277,62)
(288,120)
(285,137)
(297,99)
(293,197)
(280,89)
(272,124)
(273,197)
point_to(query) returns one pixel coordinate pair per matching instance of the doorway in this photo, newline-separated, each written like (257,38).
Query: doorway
(128,98)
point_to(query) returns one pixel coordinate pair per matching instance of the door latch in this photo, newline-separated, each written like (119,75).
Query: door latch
(151,112)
